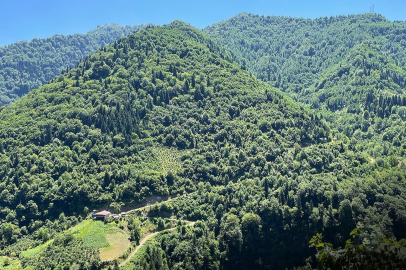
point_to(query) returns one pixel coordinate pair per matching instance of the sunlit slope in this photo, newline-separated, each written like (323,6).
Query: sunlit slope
(154,113)
(27,65)
(363,77)
(292,53)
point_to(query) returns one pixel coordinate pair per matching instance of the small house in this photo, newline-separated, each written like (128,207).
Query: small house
(101,215)
(123,214)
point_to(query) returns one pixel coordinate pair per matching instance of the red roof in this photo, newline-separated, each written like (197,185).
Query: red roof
(103,213)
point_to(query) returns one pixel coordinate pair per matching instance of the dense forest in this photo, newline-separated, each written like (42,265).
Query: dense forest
(169,111)
(27,65)
(322,62)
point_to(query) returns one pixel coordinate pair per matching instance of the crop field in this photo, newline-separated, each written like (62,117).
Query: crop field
(110,240)
(168,159)
(94,233)
(160,160)
(36,250)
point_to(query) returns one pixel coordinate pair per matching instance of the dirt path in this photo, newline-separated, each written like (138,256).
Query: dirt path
(144,205)
(142,242)
(149,200)
(145,239)
(167,199)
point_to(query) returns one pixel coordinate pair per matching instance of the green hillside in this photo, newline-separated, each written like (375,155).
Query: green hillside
(93,131)
(292,53)
(91,136)
(27,65)
(357,81)
(351,65)
(167,111)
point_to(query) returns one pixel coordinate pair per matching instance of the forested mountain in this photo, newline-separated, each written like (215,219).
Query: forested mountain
(27,65)
(363,80)
(295,54)
(351,65)
(95,133)
(166,110)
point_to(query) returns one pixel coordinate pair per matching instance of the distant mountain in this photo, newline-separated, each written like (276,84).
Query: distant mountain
(27,65)
(364,75)
(294,54)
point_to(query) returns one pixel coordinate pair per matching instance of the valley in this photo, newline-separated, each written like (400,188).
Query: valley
(261,142)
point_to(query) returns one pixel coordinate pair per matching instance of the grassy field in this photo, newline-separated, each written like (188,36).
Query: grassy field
(147,227)
(109,239)
(118,244)
(93,234)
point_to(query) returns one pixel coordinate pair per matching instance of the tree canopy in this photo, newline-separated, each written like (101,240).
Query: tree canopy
(167,110)
(28,65)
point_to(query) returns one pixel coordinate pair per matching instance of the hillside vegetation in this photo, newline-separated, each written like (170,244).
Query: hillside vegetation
(27,65)
(348,68)
(294,53)
(166,110)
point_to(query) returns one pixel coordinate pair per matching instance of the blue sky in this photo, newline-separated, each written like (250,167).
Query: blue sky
(26,19)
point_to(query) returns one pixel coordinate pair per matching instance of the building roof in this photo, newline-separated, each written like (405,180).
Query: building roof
(103,213)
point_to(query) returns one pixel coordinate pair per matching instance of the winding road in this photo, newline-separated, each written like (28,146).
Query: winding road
(148,206)
(145,239)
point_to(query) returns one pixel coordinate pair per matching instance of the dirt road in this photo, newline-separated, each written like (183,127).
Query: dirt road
(145,239)
(163,199)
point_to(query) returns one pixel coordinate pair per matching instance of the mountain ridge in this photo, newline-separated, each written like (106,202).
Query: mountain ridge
(167,110)
(75,101)
(27,65)
(261,44)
